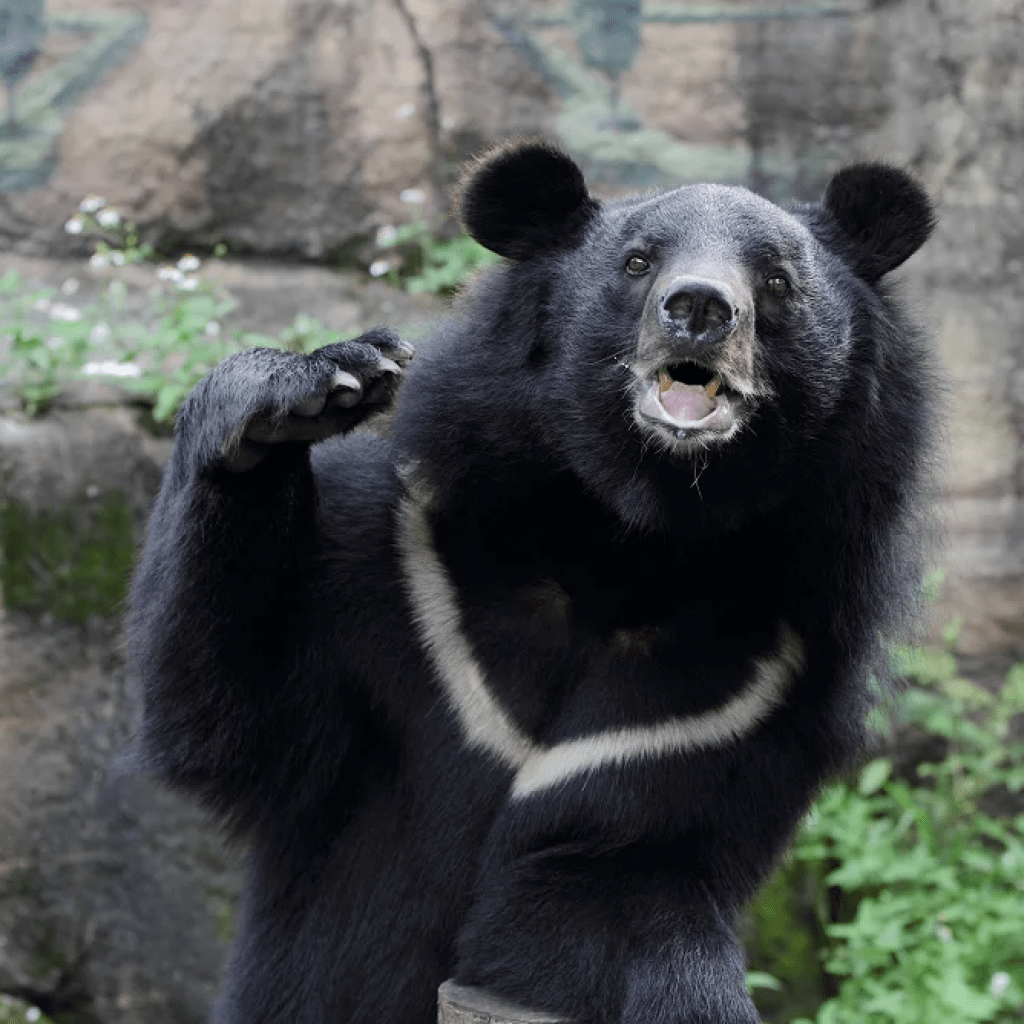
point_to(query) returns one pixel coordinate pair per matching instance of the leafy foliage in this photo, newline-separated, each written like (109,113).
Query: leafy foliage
(157,354)
(933,874)
(161,352)
(427,263)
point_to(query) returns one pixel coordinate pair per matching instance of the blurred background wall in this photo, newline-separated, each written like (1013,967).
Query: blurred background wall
(292,131)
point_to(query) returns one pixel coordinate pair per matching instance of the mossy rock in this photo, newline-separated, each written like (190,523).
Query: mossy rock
(72,563)
(783,939)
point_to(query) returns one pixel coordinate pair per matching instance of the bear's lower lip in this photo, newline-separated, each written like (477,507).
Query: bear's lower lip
(692,409)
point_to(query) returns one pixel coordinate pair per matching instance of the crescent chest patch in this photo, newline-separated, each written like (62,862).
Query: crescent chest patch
(487,726)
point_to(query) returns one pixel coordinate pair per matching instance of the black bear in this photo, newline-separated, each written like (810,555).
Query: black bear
(533,692)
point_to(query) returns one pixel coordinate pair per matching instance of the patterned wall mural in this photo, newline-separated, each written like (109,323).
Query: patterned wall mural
(48,61)
(586,48)
(767,93)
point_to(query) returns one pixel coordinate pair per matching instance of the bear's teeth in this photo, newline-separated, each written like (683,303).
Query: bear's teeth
(664,381)
(713,385)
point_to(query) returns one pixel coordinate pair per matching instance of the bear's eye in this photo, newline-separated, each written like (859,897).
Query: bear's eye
(637,266)
(777,285)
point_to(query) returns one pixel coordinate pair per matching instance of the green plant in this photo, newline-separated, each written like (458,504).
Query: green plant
(39,355)
(935,877)
(116,241)
(305,334)
(179,341)
(427,263)
(157,353)
(16,1011)
(160,352)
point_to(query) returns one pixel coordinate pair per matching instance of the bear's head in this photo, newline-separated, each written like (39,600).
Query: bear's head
(697,344)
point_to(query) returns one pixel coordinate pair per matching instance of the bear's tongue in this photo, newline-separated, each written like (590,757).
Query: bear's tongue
(687,403)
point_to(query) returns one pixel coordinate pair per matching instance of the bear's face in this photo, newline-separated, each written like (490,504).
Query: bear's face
(702,327)
(715,302)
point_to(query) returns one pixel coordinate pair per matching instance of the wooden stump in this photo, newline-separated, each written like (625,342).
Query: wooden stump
(458,1004)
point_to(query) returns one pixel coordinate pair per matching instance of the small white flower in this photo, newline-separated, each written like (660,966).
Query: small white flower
(405,111)
(943,932)
(170,274)
(189,263)
(378,268)
(69,287)
(41,305)
(117,258)
(92,491)
(90,204)
(98,260)
(62,311)
(386,235)
(99,333)
(33,1013)
(54,343)
(212,329)
(108,368)
(75,226)
(412,195)
(999,984)
(189,284)
(109,218)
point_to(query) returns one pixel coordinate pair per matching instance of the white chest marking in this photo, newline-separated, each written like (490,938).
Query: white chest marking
(739,715)
(484,722)
(486,725)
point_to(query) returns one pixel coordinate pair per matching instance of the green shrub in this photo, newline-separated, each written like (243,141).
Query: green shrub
(928,878)
(425,262)
(157,354)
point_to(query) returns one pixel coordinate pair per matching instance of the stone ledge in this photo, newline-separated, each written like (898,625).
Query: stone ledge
(461,1004)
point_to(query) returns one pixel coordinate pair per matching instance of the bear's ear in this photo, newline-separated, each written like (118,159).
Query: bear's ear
(884,213)
(524,198)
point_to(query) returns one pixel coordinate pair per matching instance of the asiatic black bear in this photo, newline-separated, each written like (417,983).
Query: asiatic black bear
(534,692)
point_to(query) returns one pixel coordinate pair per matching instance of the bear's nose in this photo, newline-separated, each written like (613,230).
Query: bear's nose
(697,309)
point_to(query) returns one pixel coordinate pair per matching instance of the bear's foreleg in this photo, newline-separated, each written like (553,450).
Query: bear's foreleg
(606,938)
(218,631)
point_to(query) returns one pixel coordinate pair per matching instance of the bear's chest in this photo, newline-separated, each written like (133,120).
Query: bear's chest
(563,669)
(566,634)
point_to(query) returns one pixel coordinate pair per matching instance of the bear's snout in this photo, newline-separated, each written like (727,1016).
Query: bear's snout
(698,310)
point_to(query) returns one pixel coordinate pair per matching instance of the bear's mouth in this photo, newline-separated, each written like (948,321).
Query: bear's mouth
(686,398)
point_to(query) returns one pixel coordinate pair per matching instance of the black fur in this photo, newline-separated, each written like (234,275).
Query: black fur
(607,576)
(885,214)
(523,198)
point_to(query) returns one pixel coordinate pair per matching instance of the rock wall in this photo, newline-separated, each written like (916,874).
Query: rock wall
(116,898)
(956,118)
(287,126)
(292,126)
